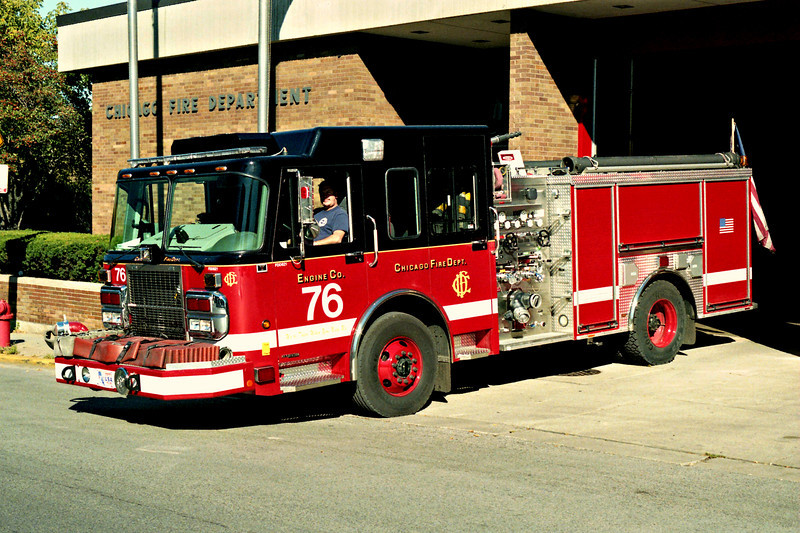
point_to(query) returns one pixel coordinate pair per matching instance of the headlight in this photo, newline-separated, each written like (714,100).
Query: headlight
(206,314)
(113,300)
(112,319)
(199,326)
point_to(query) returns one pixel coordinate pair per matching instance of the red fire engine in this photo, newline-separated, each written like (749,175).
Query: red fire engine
(213,284)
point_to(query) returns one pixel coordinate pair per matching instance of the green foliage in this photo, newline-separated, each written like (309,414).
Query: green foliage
(45,120)
(12,249)
(67,256)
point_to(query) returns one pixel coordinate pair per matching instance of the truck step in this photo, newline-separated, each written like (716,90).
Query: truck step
(508,342)
(309,376)
(467,346)
(471,352)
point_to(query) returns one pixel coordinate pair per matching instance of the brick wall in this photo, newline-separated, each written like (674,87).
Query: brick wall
(343,93)
(46,301)
(536,107)
(186,105)
(333,90)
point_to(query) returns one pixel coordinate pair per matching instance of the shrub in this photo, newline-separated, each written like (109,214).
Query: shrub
(12,249)
(67,256)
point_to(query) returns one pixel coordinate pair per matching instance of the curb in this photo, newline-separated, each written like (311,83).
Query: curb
(33,360)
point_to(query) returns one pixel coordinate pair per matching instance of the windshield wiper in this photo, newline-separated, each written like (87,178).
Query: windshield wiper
(197,265)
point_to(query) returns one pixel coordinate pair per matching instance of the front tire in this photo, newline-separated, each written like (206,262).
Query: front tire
(396,366)
(659,325)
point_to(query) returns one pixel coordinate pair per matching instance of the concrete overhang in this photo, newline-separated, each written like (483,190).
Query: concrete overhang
(98,37)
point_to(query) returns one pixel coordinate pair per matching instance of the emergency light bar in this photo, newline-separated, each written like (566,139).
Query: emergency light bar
(169,159)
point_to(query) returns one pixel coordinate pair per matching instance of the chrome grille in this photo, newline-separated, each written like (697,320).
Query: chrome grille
(155,301)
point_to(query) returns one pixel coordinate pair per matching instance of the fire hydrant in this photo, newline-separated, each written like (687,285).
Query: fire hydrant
(6,316)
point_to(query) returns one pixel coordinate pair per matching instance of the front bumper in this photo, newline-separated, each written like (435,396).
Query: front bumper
(177,381)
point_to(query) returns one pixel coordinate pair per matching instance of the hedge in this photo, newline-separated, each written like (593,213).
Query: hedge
(12,249)
(66,256)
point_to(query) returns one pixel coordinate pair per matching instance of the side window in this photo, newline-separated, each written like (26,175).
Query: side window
(335,206)
(402,203)
(452,199)
(332,194)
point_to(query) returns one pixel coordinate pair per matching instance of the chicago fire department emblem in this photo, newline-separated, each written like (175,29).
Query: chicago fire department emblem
(230,279)
(461,284)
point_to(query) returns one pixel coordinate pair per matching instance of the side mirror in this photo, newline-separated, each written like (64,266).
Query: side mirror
(305,203)
(306,200)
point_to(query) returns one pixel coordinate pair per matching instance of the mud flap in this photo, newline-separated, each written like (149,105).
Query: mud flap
(690,335)
(443,381)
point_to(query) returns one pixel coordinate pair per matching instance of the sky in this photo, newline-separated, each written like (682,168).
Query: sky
(77,5)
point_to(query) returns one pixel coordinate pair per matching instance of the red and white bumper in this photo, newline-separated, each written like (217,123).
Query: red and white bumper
(177,381)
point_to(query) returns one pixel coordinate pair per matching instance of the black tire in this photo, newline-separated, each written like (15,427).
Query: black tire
(659,325)
(396,366)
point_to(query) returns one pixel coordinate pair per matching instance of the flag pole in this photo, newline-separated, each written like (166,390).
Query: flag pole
(133,76)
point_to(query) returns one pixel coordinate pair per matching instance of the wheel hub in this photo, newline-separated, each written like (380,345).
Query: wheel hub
(399,366)
(662,323)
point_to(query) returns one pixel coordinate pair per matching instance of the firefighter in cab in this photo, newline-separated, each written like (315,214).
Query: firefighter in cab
(332,219)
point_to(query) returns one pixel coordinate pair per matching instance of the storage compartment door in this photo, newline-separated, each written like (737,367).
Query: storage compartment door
(659,216)
(727,229)
(594,298)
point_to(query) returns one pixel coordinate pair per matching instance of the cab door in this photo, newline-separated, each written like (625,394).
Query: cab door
(319,291)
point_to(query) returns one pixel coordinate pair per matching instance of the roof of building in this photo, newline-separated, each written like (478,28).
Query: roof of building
(171,28)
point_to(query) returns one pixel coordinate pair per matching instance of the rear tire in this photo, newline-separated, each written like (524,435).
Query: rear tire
(658,325)
(396,366)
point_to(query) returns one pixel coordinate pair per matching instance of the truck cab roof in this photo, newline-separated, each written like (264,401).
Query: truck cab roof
(344,142)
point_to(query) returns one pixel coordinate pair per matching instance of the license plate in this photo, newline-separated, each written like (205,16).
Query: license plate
(97,377)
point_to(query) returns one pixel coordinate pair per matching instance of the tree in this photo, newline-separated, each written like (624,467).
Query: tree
(45,119)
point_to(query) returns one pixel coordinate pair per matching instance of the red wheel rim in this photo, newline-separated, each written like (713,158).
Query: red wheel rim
(662,323)
(399,366)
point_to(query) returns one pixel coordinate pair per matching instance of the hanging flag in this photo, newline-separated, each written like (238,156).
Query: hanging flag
(759,220)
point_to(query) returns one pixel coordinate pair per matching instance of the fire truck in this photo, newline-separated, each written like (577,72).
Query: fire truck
(213,284)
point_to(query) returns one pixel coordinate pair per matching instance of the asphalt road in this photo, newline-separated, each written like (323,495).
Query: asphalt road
(568,442)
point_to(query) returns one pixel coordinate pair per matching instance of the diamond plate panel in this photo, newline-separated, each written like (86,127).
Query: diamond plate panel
(647,264)
(558,190)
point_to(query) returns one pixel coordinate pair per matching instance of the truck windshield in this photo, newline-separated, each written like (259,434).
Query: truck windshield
(211,213)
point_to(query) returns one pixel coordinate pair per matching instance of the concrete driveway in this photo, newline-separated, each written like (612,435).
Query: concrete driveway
(727,403)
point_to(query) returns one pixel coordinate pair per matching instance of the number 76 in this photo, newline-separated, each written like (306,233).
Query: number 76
(332,304)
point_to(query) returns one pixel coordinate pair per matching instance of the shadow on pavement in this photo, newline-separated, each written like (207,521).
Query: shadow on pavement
(532,363)
(770,328)
(570,358)
(222,413)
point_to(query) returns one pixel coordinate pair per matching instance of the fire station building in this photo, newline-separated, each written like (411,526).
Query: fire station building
(611,77)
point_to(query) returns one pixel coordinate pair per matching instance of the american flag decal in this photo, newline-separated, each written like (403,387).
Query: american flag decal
(726,225)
